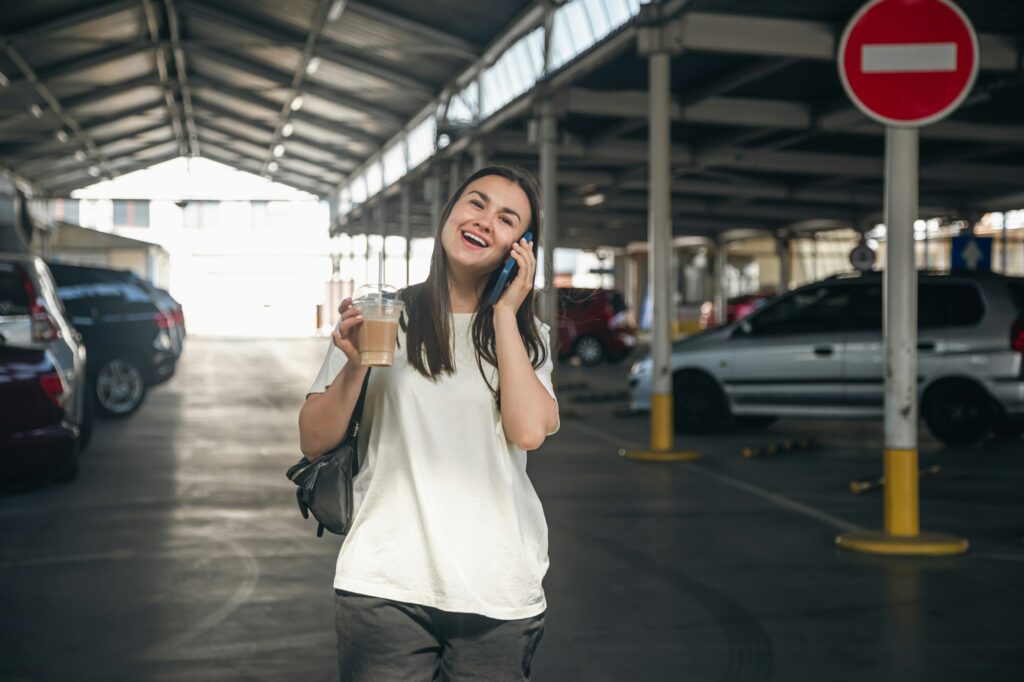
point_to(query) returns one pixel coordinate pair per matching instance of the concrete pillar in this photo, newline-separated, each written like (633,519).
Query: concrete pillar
(721,261)
(406,227)
(784,251)
(548,143)
(435,198)
(455,175)
(659,230)
(479,155)
(620,268)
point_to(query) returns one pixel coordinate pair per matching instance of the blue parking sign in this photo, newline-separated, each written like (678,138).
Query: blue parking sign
(972,253)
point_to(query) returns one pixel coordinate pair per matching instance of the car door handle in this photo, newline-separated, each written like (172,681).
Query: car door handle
(926,345)
(823,351)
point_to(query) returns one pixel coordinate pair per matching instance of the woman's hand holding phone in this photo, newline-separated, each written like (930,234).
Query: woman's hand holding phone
(521,286)
(344,334)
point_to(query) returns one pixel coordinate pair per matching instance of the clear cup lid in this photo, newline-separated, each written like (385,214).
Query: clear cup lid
(378,293)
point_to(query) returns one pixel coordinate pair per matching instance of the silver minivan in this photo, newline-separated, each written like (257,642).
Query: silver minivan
(818,352)
(32,316)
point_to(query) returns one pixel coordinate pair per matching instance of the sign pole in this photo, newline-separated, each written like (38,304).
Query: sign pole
(883,52)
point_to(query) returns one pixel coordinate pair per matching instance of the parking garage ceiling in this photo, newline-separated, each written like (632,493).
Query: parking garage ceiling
(764,138)
(98,89)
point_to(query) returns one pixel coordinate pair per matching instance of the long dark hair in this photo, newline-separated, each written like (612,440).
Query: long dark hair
(427,305)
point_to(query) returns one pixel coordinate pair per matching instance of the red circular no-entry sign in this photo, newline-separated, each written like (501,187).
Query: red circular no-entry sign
(908,62)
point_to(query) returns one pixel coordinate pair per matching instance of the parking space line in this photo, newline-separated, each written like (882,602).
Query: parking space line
(774,498)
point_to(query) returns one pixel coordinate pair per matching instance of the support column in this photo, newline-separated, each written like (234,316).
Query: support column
(721,262)
(435,199)
(455,175)
(406,227)
(479,155)
(1003,248)
(784,250)
(548,143)
(659,229)
(901,534)
(382,226)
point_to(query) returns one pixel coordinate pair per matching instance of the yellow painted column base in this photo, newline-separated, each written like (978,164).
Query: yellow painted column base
(923,544)
(661,455)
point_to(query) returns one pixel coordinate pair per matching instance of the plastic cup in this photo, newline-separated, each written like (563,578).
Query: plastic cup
(378,333)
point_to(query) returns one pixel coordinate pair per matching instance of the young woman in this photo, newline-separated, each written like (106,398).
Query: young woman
(440,574)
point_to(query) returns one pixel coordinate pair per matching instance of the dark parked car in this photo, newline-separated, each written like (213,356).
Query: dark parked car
(38,433)
(594,325)
(131,341)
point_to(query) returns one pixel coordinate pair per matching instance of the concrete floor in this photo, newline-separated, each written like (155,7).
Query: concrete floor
(179,554)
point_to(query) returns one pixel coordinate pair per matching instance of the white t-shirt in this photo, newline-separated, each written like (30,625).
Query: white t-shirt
(444,513)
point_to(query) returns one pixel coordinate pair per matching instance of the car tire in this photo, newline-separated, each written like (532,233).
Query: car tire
(589,350)
(958,412)
(118,386)
(755,422)
(700,406)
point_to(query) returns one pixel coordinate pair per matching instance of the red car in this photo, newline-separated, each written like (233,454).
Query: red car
(735,309)
(594,325)
(36,432)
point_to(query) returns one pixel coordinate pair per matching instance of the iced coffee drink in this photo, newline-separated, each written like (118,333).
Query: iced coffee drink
(378,333)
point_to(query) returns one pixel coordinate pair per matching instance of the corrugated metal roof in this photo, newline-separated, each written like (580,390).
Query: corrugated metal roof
(379,64)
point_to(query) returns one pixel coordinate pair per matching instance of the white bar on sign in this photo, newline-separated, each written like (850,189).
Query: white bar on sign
(908,58)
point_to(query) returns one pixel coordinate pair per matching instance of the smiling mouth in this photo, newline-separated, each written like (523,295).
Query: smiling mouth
(473,241)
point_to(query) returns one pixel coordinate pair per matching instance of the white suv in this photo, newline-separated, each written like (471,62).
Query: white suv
(818,352)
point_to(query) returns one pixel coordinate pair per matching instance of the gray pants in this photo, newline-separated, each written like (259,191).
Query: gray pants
(380,640)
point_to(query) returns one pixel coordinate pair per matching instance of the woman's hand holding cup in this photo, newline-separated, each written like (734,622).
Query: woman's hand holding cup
(344,334)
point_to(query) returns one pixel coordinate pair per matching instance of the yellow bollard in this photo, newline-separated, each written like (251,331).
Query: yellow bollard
(662,435)
(901,493)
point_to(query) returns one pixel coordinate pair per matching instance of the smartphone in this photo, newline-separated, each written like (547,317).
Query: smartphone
(508,272)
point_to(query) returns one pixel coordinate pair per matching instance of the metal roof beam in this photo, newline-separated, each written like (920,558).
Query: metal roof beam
(161,67)
(179,69)
(249,157)
(775,37)
(283,78)
(776,114)
(330,50)
(68,20)
(66,120)
(93,59)
(251,165)
(215,126)
(340,153)
(98,94)
(457,47)
(88,180)
(256,100)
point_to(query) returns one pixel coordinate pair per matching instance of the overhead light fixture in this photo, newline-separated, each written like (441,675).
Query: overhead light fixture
(94,171)
(61,136)
(79,155)
(279,150)
(312,66)
(297,103)
(595,199)
(443,140)
(36,110)
(272,166)
(337,7)
(3,80)
(288,129)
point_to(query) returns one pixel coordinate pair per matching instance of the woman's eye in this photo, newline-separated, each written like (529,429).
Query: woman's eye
(507,221)
(477,203)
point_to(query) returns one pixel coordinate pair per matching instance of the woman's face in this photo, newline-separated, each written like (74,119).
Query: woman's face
(492,213)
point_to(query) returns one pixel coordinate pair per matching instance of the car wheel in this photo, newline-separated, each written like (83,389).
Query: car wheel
(589,350)
(699,404)
(119,387)
(958,412)
(755,422)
